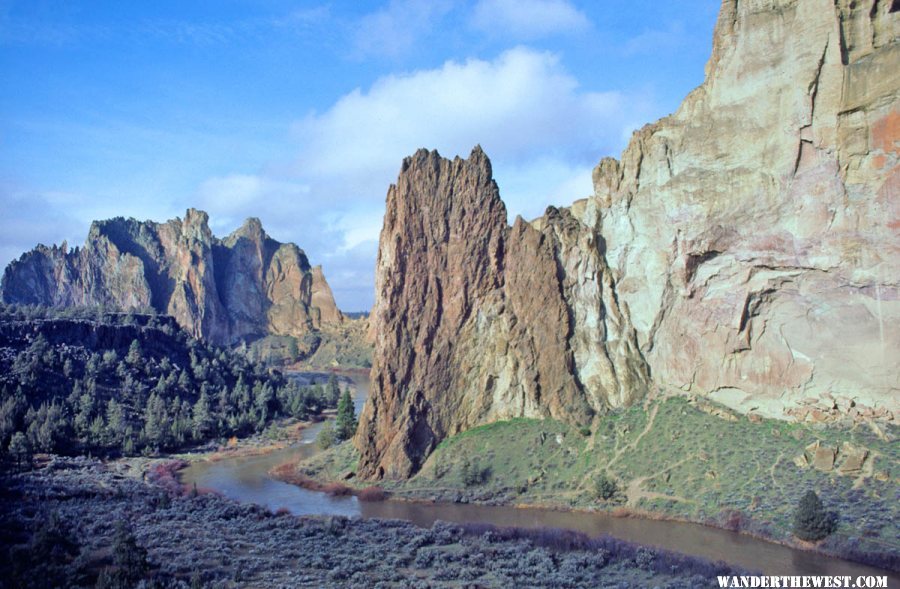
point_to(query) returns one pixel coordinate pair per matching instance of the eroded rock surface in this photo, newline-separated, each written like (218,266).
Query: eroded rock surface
(753,234)
(478,321)
(745,249)
(243,286)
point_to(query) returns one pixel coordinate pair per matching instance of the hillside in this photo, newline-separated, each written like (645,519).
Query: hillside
(87,381)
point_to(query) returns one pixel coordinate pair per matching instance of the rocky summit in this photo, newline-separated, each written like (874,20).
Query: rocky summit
(244,286)
(745,249)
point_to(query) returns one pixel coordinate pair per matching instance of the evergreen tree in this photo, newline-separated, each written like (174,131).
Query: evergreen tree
(84,413)
(19,448)
(44,563)
(811,522)
(333,391)
(115,421)
(326,438)
(345,422)
(135,354)
(97,432)
(202,422)
(129,560)
(184,381)
(156,421)
(68,368)
(293,349)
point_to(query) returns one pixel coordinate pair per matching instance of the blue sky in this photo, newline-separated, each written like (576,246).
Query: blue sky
(300,113)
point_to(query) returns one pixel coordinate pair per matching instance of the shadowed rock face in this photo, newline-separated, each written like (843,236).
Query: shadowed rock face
(244,286)
(745,248)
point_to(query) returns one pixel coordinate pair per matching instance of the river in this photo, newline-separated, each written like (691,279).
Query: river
(247,479)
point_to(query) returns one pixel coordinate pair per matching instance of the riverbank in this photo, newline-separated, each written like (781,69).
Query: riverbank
(671,461)
(281,433)
(277,436)
(216,542)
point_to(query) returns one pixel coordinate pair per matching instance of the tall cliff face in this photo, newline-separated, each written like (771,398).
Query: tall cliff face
(744,248)
(754,233)
(244,286)
(478,321)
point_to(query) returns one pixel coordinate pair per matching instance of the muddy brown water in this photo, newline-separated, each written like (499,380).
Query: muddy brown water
(247,479)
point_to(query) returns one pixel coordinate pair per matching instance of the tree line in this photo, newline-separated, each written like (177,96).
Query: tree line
(159,394)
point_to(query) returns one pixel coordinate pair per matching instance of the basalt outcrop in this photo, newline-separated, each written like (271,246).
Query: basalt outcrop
(244,286)
(745,249)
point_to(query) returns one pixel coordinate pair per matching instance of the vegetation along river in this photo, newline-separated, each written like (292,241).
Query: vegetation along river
(246,478)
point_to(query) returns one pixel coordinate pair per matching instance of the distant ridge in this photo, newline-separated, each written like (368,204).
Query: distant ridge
(242,287)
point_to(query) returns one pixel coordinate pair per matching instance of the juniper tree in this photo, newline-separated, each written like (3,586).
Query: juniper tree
(811,521)
(202,417)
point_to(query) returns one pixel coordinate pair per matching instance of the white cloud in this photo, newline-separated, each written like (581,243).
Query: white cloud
(528,19)
(520,104)
(232,198)
(394,30)
(542,132)
(30,218)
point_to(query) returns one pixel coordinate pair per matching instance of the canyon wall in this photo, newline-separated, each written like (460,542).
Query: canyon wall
(244,286)
(745,248)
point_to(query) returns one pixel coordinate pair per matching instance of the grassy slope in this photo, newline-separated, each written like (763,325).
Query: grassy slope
(669,457)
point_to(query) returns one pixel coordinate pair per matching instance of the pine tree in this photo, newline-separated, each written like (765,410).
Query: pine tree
(333,391)
(156,421)
(345,423)
(115,421)
(202,422)
(135,354)
(811,522)
(68,368)
(19,448)
(130,562)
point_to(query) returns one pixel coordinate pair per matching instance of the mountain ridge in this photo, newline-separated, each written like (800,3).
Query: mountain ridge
(243,286)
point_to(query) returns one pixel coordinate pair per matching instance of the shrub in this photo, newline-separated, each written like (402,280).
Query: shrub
(336,489)
(326,438)
(606,487)
(811,522)
(472,473)
(371,494)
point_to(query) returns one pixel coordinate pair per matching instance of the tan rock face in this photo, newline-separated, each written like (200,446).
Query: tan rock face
(246,285)
(753,234)
(745,249)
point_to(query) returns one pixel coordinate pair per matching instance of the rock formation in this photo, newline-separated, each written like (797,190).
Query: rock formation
(745,249)
(244,286)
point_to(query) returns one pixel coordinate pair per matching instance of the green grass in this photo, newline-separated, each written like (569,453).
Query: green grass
(688,464)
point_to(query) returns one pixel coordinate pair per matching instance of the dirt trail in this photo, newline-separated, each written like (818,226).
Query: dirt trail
(635,493)
(633,444)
